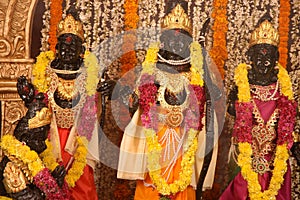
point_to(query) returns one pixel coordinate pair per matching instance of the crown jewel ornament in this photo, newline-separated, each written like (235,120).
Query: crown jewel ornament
(177,19)
(70,25)
(264,34)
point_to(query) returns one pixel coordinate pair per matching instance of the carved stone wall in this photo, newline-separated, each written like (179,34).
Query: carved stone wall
(15,40)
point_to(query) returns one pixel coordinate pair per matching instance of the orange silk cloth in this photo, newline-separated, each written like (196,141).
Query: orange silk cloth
(85,186)
(144,192)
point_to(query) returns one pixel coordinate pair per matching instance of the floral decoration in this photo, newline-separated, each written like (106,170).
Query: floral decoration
(46,183)
(243,128)
(128,59)
(40,80)
(40,173)
(147,99)
(283,29)
(218,51)
(55,18)
(86,125)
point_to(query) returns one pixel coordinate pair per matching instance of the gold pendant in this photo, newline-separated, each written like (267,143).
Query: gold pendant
(174,117)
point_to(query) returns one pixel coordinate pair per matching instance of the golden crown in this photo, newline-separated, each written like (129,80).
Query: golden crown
(70,25)
(42,118)
(264,34)
(177,18)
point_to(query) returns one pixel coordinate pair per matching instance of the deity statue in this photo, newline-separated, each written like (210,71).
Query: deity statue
(164,144)
(264,109)
(68,78)
(23,168)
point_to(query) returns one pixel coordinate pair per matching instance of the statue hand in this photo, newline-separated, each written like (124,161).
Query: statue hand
(296,151)
(59,174)
(28,193)
(25,89)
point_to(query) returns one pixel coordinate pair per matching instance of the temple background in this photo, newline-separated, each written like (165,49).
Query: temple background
(112,27)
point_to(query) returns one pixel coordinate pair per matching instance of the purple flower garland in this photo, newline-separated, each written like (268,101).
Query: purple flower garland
(244,121)
(46,183)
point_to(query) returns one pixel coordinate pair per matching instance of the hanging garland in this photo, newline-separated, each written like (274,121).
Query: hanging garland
(147,96)
(85,125)
(243,127)
(55,17)
(218,51)
(128,59)
(283,29)
(42,177)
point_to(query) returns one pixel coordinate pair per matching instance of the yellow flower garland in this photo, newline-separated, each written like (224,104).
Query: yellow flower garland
(150,58)
(41,81)
(78,165)
(185,175)
(154,148)
(281,155)
(280,168)
(196,61)
(196,64)
(10,145)
(91,63)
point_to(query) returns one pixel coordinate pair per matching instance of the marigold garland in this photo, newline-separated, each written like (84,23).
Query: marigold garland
(218,51)
(41,175)
(40,80)
(243,129)
(147,96)
(14,147)
(128,59)
(185,175)
(283,29)
(280,168)
(78,165)
(92,68)
(55,18)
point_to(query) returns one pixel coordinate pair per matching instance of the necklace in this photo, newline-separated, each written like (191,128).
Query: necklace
(62,71)
(65,116)
(244,135)
(66,89)
(175,82)
(263,93)
(174,62)
(263,134)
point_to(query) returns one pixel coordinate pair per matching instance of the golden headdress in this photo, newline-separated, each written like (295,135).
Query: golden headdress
(177,18)
(42,118)
(264,34)
(70,25)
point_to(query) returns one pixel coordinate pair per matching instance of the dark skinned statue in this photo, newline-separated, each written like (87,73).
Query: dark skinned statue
(169,86)
(261,120)
(31,131)
(71,102)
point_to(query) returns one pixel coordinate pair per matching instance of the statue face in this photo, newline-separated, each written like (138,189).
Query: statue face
(263,58)
(176,44)
(69,48)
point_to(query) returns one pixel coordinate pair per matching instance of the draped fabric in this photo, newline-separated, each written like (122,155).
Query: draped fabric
(85,185)
(133,162)
(237,189)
